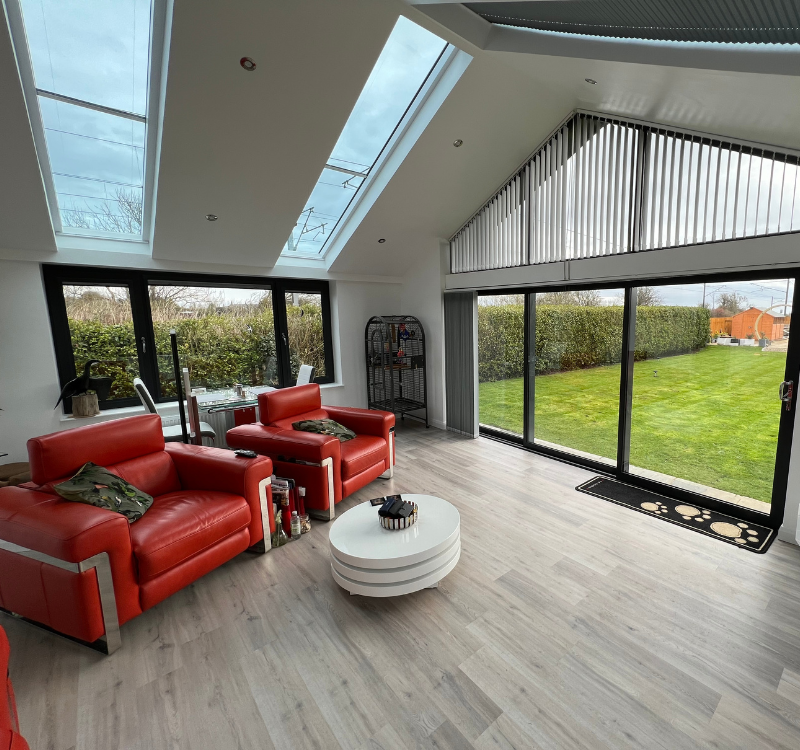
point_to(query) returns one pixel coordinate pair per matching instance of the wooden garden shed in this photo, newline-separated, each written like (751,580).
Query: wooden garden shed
(743,325)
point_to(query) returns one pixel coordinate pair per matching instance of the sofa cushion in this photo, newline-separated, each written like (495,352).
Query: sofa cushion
(360,453)
(288,402)
(154,473)
(63,453)
(96,485)
(181,524)
(307,416)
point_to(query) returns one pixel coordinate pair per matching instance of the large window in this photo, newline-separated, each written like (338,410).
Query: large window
(404,65)
(230,330)
(91,73)
(687,388)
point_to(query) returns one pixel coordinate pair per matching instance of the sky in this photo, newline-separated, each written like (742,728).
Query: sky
(97,51)
(406,60)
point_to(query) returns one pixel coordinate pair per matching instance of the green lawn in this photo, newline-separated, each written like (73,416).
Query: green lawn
(709,417)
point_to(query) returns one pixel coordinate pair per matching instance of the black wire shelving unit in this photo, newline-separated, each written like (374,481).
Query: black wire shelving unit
(396,366)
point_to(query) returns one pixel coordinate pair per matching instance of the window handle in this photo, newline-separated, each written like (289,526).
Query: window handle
(144,346)
(285,342)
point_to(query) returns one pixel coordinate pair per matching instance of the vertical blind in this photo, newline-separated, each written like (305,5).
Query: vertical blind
(602,186)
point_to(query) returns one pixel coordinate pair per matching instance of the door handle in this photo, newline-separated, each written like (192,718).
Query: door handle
(785,393)
(144,346)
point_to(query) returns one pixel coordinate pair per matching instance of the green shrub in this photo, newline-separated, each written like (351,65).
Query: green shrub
(219,350)
(570,337)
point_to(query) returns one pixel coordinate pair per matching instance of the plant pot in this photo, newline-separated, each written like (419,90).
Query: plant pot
(85,406)
(102,386)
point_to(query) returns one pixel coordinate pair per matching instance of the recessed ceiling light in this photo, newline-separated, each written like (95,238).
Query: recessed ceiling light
(211,217)
(457,142)
(590,80)
(381,241)
(248,64)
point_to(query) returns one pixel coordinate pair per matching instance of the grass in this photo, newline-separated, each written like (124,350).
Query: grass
(709,417)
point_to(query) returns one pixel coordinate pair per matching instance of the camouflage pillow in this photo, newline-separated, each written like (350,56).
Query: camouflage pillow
(97,486)
(324,427)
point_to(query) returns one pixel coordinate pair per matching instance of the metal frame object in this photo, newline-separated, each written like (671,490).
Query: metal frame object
(327,464)
(389,473)
(265,544)
(111,640)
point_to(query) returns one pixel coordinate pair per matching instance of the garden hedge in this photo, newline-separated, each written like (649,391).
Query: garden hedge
(219,350)
(569,337)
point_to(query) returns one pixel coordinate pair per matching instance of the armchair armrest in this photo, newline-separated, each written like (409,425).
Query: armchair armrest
(285,444)
(203,468)
(363,421)
(67,531)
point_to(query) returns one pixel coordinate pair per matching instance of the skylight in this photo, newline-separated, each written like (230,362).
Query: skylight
(407,59)
(91,60)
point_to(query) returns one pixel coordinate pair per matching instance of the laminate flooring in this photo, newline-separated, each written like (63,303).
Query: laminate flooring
(569,622)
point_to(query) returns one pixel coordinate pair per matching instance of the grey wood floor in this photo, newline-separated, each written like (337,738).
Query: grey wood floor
(569,622)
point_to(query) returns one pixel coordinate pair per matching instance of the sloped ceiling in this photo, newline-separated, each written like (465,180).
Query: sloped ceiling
(249,146)
(24,216)
(506,104)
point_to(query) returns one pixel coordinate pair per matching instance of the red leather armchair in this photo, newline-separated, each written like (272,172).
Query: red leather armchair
(84,571)
(10,739)
(328,469)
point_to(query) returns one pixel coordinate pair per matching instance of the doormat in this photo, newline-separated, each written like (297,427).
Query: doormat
(721,526)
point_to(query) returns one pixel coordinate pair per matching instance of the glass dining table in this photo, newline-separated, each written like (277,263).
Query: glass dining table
(228,399)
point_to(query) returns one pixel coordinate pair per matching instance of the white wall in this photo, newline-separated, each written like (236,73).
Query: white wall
(28,374)
(422,298)
(28,380)
(353,304)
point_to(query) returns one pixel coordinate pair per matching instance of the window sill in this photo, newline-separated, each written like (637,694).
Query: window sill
(164,410)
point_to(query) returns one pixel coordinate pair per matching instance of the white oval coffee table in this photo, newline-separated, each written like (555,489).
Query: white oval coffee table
(369,560)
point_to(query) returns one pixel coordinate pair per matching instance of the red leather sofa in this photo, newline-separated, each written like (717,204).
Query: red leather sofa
(10,739)
(84,571)
(328,469)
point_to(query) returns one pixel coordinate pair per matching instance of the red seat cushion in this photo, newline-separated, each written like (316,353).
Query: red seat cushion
(181,524)
(361,453)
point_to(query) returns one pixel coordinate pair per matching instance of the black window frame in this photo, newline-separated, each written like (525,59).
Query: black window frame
(55,276)
(621,468)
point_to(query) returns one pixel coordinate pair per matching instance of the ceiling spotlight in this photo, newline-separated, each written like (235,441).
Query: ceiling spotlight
(590,80)
(211,217)
(381,241)
(248,64)
(457,142)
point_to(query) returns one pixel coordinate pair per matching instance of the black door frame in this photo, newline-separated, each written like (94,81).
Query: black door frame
(621,469)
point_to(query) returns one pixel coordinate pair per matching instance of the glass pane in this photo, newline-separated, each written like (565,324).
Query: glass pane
(576,387)
(225,335)
(101,327)
(501,357)
(306,338)
(405,62)
(93,50)
(705,413)
(98,167)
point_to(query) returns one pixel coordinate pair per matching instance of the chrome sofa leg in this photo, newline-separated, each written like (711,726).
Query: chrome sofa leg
(389,473)
(111,640)
(327,464)
(264,545)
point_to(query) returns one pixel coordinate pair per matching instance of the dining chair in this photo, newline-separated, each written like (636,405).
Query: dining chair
(306,375)
(172,433)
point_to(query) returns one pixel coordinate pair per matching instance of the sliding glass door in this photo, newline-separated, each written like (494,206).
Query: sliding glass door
(686,388)
(575,393)
(705,413)
(501,347)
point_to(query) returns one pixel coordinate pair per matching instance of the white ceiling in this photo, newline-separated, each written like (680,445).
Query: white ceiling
(24,217)
(249,147)
(506,104)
